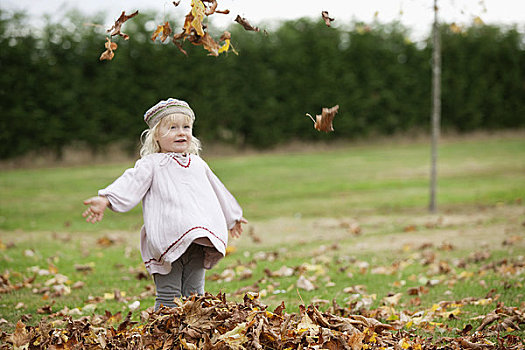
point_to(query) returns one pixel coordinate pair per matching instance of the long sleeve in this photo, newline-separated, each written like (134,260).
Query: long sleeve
(129,189)
(231,209)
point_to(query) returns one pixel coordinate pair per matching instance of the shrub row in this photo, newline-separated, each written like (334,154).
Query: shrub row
(55,92)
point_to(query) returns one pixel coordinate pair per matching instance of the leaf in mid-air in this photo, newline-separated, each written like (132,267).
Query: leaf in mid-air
(323,122)
(116,28)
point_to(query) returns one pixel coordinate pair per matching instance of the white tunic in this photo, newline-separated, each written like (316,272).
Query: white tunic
(182,201)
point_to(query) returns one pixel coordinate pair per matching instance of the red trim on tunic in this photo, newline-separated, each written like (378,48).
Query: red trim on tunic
(158,261)
(182,165)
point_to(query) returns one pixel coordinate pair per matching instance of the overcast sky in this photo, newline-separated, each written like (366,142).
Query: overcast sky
(415,14)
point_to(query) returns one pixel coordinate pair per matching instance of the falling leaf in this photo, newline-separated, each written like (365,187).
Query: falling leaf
(226,37)
(164,30)
(455,28)
(323,122)
(213,8)
(176,3)
(118,24)
(478,21)
(246,25)
(195,31)
(326,18)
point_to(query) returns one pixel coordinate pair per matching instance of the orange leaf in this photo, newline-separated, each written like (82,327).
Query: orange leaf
(163,29)
(323,122)
(209,44)
(110,47)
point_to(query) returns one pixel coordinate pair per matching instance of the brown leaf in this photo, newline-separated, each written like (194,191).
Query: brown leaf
(46,309)
(410,228)
(164,30)
(106,241)
(108,54)
(194,30)
(84,268)
(119,22)
(491,317)
(323,122)
(211,9)
(475,346)
(326,18)
(246,25)
(176,3)
(21,337)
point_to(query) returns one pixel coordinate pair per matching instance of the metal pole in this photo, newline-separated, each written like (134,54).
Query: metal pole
(436,107)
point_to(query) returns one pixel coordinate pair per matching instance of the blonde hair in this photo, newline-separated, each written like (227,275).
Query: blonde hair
(149,137)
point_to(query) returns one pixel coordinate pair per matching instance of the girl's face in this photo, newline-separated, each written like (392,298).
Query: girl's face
(174,133)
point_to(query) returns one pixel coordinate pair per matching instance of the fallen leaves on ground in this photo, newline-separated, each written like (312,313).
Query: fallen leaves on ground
(323,121)
(211,322)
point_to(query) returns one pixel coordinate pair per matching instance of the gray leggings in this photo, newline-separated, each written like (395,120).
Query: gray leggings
(185,278)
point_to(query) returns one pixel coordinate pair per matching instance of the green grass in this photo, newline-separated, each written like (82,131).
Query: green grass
(340,182)
(297,204)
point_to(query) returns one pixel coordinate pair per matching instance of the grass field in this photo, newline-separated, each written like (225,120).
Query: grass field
(348,224)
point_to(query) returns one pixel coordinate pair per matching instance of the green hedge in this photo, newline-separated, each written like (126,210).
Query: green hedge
(55,92)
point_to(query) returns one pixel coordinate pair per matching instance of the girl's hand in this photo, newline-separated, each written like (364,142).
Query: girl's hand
(236,230)
(95,212)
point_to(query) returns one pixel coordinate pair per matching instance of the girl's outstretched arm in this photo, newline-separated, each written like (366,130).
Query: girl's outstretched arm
(95,212)
(236,230)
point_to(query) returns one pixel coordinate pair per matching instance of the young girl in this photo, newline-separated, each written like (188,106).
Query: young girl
(187,210)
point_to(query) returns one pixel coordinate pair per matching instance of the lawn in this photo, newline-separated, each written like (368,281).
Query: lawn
(346,225)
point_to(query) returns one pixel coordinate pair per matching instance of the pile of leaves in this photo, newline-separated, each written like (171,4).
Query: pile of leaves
(211,322)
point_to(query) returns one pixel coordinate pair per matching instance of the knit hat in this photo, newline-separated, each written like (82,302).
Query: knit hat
(164,108)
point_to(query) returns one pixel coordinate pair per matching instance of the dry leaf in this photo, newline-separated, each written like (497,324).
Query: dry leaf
(327,19)
(306,284)
(212,322)
(119,22)
(455,28)
(195,31)
(242,21)
(226,37)
(21,337)
(478,21)
(164,30)
(323,122)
